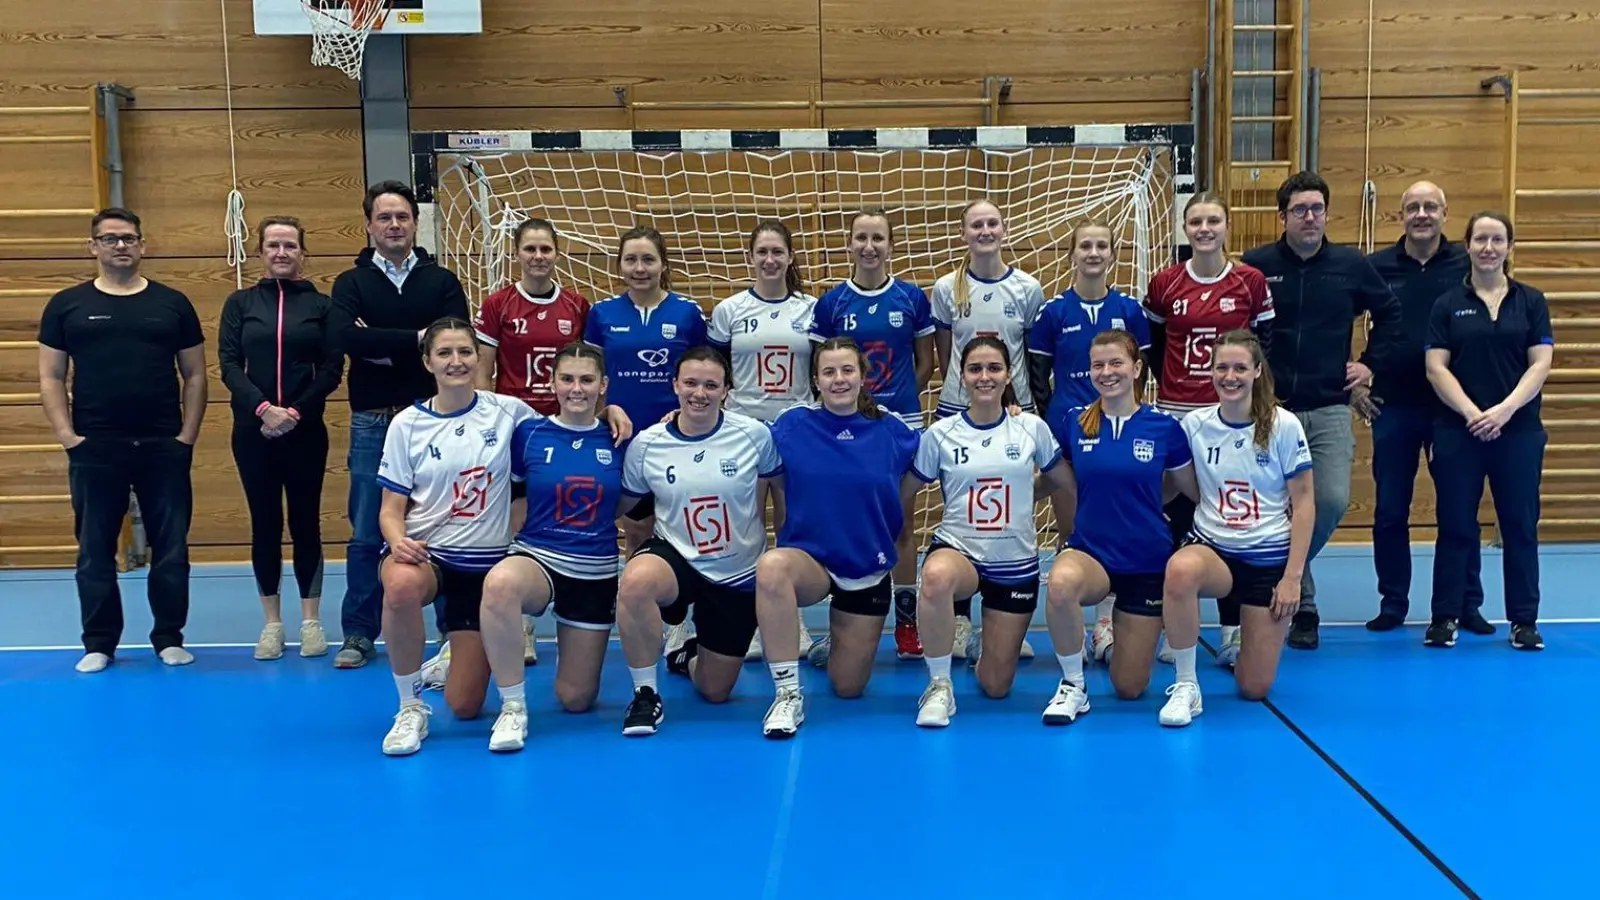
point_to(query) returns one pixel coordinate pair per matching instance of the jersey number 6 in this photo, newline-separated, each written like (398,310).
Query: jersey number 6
(672,477)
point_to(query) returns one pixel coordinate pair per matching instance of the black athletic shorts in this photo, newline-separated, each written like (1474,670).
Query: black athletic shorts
(644,509)
(1021,599)
(1139,593)
(724,617)
(1252,585)
(587,603)
(519,490)
(460,592)
(868,601)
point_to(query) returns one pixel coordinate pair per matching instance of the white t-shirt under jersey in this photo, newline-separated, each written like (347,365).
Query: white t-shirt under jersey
(1244,490)
(1004,308)
(769,343)
(986,476)
(706,495)
(456,468)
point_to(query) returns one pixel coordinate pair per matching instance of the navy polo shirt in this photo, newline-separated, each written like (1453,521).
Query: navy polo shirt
(1488,356)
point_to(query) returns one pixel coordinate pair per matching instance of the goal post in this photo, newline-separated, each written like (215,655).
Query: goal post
(706,189)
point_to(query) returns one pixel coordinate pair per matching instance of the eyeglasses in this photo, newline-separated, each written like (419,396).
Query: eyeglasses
(117,240)
(1432,209)
(1313,211)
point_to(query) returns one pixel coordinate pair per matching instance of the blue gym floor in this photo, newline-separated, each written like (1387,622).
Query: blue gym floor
(1378,769)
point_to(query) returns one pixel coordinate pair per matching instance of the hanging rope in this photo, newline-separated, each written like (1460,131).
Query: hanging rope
(1369,188)
(234,227)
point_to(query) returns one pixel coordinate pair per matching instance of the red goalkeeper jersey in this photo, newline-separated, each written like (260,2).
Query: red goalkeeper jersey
(1195,312)
(524,333)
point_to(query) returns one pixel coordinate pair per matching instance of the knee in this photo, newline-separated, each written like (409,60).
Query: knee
(847,688)
(994,686)
(938,581)
(1129,688)
(465,708)
(501,596)
(403,587)
(772,569)
(1183,577)
(1253,687)
(1062,596)
(715,693)
(634,591)
(575,699)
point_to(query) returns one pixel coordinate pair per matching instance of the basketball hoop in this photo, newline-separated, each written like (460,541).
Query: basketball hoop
(339,31)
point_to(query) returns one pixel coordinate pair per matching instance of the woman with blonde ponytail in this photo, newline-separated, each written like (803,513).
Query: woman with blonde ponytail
(1249,544)
(1126,458)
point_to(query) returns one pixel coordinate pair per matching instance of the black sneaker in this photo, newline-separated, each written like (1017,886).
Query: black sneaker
(644,713)
(1303,631)
(1442,633)
(356,652)
(678,660)
(1477,624)
(1386,621)
(1526,637)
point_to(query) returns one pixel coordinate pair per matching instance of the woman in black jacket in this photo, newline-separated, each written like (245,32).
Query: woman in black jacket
(280,364)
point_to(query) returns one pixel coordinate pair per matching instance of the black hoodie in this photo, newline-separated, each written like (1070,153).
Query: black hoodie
(276,347)
(385,357)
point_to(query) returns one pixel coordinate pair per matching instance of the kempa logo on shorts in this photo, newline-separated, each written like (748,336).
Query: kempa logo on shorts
(1019,595)
(655,359)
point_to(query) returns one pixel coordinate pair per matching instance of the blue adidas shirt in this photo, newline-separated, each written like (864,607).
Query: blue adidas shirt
(1120,520)
(1065,329)
(886,322)
(642,347)
(574,479)
(842,487)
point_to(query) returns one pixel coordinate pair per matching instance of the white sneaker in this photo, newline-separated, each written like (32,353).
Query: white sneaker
(176,656)
(1164,651)
(270,644)
(937,705)
(1025,651)
(805,633)
(409,730)
(92,663)
(436,671)
(1101,639)
(1228,651)
(1183,704)
(785,716)
(313,641)
(820,651)
(1070,701)
(511,729)
(754,652)
(530,647)
(677,636)
(963,638)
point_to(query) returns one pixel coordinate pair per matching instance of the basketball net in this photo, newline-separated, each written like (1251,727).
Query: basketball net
(339,40)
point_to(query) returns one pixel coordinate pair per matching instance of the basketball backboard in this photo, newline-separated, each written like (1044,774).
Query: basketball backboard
(405,17)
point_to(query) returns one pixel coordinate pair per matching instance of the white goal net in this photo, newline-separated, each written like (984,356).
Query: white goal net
(705,203)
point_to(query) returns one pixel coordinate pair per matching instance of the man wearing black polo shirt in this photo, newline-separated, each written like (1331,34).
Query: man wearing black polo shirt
(1319,289)
(127,339)
(1400,404)
(380,309)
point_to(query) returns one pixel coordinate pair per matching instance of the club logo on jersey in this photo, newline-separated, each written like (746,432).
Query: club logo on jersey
(655,359)
(471,492)
(730,468)
(1226,304)
(1010,309)
(896,319)
(1013,451)
(669,330)
(564,326)
(1119,324)
(775,368)
(1238,504)
(1144,450)
(706,521)
(578,501)
(801,324)
(490,438)
(989,504)
(1263,459)
(602,456)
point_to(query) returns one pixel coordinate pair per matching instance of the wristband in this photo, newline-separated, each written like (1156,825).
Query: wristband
(265,405)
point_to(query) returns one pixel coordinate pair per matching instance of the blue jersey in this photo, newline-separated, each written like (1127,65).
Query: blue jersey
(842,487)
(886,323)
(1063,333)
(574,479)
(1120,522)
(642,347)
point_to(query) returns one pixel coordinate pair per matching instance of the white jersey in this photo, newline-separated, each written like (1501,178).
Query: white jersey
(705,490)
(1004,308)
(1244,491)
(456,468)
(769,343)
(986,475)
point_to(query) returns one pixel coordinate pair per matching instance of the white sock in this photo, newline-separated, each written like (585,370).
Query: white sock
(785,676)
(1072,667)
(643,677)
(1103,609)
(939,666)
(517,693)
(410,688)
(1185,663)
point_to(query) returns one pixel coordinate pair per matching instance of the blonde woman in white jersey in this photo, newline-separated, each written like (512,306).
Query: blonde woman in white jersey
(983,296)
(1252,534)
(765,333)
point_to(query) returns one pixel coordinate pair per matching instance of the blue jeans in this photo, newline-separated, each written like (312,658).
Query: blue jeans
(361,614)
(1331,437)
(1400,435)
(1513,463)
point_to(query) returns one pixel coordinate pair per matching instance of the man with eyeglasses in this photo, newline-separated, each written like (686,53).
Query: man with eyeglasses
(1319,290)
(1418,268)
(128,426)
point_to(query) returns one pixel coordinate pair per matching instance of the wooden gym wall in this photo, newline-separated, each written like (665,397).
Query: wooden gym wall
(298,132)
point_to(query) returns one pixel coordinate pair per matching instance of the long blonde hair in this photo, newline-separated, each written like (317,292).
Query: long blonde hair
(1264,393)
(1090,419)
(961,291)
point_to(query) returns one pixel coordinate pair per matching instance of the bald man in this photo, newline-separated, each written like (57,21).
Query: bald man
(1420,267)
